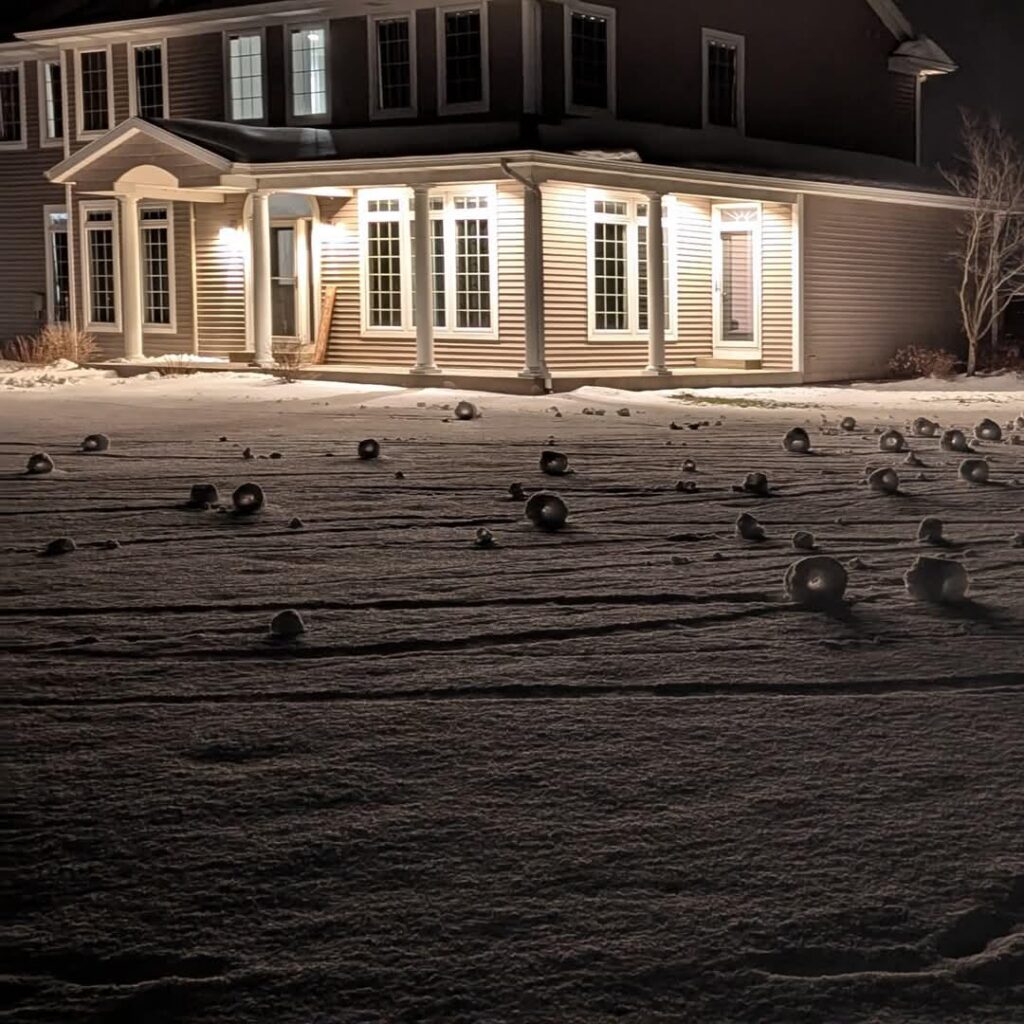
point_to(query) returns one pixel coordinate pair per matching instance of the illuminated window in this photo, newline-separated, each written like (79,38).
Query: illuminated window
(308,71)
(245,76)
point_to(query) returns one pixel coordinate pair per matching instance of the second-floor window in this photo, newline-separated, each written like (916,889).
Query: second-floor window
(307,49)
(462,45)
(590,58)
(51,110)
(148,80)
(245,76)
(12,113)
(723,80)
(394,66)
(94,90)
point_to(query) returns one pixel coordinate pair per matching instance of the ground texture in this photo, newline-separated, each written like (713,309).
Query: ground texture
(605,774)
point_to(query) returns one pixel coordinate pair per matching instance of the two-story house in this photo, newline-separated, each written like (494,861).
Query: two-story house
(533,190)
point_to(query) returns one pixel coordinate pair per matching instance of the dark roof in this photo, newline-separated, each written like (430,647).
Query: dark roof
(16,17)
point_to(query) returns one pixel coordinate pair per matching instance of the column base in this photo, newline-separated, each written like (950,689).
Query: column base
(429,371)
(530,373)
(657,371)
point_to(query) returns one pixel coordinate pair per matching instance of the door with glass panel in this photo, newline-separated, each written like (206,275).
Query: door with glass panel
(736,280)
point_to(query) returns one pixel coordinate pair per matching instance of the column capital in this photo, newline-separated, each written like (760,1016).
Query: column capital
(654,195)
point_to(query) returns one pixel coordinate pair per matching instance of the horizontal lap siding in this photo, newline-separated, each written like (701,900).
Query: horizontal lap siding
(220,263)
(693,244)
(877,276)
(195,76)
(777,287)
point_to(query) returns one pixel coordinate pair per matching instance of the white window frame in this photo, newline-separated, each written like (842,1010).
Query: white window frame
(711,35)
(80,131)
(172,326)
(21,143)
(609,14)
(377,112)
(449,215)
(721,347)
(632,331)
(48,232)
(290,116)
(133,84)
(46,140)
(482,105)
(115,226)
(260,31)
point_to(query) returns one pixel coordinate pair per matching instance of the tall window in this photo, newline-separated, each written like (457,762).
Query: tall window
(149,80)
(99,243)
(462,43)
(245,76)
(308,62)
(590,57)
(94,91)
(618,266)
(12,113)
(737,275)
(462,262)
(155,226)
(394,62)
(51,99)
(58,275)
(723,79)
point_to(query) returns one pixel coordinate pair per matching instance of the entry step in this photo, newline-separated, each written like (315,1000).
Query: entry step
(712,363)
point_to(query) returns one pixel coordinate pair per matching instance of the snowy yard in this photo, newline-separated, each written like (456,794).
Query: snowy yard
(609,773)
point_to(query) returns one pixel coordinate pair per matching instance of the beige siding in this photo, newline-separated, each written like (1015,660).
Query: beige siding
(877,276)
(195,73)
(119,55)
(142,149)
(693,244)
(777,286)
(220,267)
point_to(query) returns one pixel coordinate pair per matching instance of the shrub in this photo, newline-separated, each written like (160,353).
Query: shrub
(915,361)
(53,342)
(176,366)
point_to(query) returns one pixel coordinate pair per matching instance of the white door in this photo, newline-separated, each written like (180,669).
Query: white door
(736,280)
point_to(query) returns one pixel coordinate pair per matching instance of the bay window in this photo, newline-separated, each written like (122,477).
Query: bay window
(307,71)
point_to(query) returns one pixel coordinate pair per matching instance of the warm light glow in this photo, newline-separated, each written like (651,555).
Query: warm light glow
(232,238)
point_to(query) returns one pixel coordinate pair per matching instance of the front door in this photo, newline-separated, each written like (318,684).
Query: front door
(736,280)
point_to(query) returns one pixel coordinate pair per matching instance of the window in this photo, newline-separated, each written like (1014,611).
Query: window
(100,261)
(245,76)
(618,266)
(393,59)
(58,271)
(307,61)
(589,58)
(12,108)
(462,261)
(463,74)
(51,103)
(156,251)
(723,80)
(147,93)
(94,91)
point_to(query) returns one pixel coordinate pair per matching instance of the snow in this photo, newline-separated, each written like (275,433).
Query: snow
(604,773)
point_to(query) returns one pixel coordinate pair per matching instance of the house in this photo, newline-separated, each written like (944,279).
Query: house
(626,192)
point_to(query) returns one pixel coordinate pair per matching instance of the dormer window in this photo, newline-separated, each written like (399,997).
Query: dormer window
(393,59)
(245,75)
(589,58)
(307,60)
(723,80)
(147,92)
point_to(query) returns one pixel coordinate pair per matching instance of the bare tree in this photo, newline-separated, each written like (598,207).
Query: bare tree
(991,254)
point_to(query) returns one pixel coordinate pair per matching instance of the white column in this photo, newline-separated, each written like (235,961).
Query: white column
(533,242)
(655,287)
(131,278)
(423,289)
(262,315)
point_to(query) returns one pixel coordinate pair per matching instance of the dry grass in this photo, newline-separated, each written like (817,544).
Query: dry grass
(916,361)
(176,366)
(53,342)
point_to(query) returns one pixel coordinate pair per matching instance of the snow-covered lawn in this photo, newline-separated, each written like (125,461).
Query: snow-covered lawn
(603,774)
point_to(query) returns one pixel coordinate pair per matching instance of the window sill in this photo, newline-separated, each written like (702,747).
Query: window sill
(456,109)
(14,146)
(51,143)
(395,114)
(103,328)
(159,329)
(628,337)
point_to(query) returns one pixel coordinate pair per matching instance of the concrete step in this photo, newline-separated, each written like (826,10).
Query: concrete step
(712,363)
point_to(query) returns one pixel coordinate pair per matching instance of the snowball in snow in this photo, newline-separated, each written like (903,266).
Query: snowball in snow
(816,581)
(516,492)
(368,449)
(287,624)
(686,486)
(891,441)
(954,441)
(484,539)
(60,546)
(247,454)
(96,443)
(988,430)
(112,544)
(803,541)
(912,460)
(248,498)
(203,494)
(924,427)
(466,411)
(930,530)
(554,463)
(884,481)
(848,423)
(937,581)
(689,466)
(748,527)
(974,471)
(797,441)
(1017,540)
(547,511)
(623,412)
(39,463)
(755,483)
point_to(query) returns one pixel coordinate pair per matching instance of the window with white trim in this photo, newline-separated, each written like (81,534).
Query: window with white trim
(462,261)
(393,57)
(101,262)
(51,103)
(94,91)
(462,44)
(245,75)
(12,107)
(58,266)
(724,61)
(307,62)
(148,81)
(589,58)
(156,253)
(617,271)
